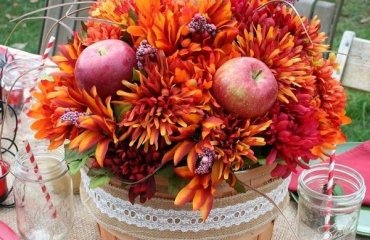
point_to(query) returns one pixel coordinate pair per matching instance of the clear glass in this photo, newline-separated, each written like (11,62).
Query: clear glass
(19,77)
(314,206)
(27,72)
(35,219)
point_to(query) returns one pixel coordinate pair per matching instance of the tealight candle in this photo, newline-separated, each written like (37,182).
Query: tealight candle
(4,170)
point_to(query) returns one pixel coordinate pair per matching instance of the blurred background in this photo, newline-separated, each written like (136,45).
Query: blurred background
(354,16)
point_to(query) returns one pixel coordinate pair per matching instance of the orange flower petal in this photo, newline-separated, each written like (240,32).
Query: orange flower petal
(206,207)
(182,151)
(199,198)
(183,172)
(89,140)
(192,160)
(101,151)
(185,195)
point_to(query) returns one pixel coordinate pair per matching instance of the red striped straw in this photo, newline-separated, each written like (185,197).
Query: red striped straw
(36,169)
(44,56)
(329,192)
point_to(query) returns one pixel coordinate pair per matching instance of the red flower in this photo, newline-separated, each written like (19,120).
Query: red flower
(132,164)
(294,132)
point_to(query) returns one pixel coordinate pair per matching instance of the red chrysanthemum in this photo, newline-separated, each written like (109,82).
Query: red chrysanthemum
(133,165)
(293,133)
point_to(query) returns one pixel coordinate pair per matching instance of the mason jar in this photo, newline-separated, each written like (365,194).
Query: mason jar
(329,217)
(19,77)
(20,74)
(43,194)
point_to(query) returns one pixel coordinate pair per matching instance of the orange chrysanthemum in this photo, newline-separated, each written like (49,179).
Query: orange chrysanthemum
(116,11)
(97,126)
(97,31)
(270,41)
(159,107)
(331,102)
(212,154)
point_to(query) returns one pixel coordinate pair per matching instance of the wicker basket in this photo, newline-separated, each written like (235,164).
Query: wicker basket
(257,178)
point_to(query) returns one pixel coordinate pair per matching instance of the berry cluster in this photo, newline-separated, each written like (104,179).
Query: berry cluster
(145,51)
(199,25)
(206,161)
(71,117)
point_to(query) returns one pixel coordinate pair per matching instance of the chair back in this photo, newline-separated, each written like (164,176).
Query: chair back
(327,12)
(354,61)
(59,32)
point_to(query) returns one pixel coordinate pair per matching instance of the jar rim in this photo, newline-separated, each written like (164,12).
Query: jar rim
(325,166)
(24,166)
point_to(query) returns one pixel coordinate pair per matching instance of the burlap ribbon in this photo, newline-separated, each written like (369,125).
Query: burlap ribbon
(127,232)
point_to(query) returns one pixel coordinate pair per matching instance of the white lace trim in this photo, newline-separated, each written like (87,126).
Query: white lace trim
(182,220)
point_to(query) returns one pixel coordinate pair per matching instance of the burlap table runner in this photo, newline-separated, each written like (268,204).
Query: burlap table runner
(85,227)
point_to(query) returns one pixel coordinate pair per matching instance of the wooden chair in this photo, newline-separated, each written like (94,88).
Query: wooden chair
(328,13)
(61,34)
(354,61)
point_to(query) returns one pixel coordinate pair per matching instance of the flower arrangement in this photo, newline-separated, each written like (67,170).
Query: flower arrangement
(192,90)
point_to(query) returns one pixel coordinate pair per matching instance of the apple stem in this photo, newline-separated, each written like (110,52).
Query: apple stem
(257,74)
(102,51)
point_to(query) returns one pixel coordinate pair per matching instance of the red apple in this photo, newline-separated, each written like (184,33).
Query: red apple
(245,86)
(105,64)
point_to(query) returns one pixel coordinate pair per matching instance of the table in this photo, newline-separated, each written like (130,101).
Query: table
(85,227)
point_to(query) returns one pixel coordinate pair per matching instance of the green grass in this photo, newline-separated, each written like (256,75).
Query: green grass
(355,17)
(354,12)
(28,33)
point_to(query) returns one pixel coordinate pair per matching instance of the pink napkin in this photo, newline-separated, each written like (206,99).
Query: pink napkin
(357,158)
(7,233)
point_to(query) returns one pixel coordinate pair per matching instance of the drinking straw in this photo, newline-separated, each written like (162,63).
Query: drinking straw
(44,190)
(329,192)
(44,56)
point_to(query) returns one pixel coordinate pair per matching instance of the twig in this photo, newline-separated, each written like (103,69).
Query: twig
(50,7)
(273,203)
(33,18)
(295,11)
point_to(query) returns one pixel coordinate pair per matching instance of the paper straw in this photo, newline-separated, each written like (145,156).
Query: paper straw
(44,190)
(331,175)
(329,192)
(44,57)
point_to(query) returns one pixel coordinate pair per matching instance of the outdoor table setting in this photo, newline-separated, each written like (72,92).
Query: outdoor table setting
(169,119)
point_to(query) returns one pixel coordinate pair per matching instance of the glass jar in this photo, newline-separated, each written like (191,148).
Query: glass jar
(43,195)
(20,74)
(315,208)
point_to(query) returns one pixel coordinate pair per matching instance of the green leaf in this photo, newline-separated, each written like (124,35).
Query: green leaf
(76,165)
(99,177)
(166,171)
(99,181)
(338,190)
(132,15)
(262,161)
(175,184)
(96,172)
(75,159)
(135,75)
(120,109)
